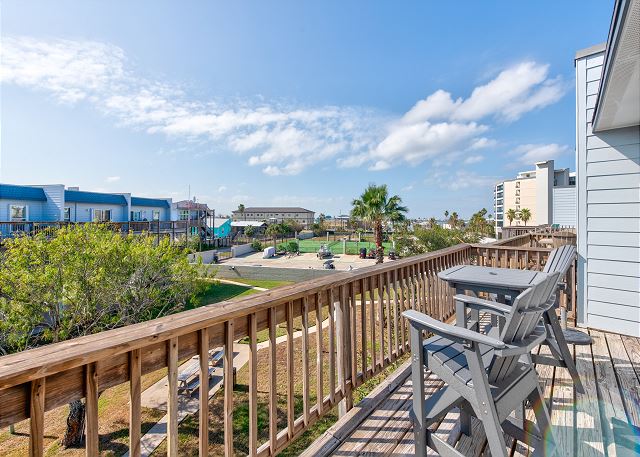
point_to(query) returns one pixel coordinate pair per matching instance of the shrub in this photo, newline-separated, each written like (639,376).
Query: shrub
(256,245)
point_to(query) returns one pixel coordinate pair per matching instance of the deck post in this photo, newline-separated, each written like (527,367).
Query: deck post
(343,327)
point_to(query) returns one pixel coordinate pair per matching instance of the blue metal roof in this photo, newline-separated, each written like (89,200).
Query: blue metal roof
(80,196)
(141,201)
(13,192)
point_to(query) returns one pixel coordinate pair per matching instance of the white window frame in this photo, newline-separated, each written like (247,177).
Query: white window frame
(155,215)
(66,214)
(25,208)
(102,213)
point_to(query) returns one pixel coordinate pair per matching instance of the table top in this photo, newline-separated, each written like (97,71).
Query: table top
(496,278)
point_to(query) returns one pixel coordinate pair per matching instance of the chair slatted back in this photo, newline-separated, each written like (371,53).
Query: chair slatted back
(526,312)
(560,259)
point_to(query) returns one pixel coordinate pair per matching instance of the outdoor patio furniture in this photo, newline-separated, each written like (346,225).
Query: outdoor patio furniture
(485,376)
(558,339)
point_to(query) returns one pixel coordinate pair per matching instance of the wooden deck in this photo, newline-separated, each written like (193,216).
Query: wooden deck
(604,421)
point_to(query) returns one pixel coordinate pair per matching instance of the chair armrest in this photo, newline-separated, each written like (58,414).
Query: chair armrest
(483,305)
(459,334)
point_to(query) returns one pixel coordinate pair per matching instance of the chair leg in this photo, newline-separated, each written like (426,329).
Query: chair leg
(543,420)
(485,407)
(417,379)
(552,321)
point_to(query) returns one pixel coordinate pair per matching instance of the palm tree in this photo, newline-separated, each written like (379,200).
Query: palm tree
(446,214)
(511,215)
(454,221)
(375,206)
(525,215)
(432,222)
(241,210)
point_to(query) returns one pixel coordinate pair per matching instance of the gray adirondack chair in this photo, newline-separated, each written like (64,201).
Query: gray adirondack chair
(483,374)
(560,260)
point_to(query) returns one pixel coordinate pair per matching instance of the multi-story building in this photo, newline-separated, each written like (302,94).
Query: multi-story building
(54,203)
(608,167)
(275,215)
(548,194)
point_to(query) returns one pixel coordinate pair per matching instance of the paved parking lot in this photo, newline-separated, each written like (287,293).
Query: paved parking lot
(304,261)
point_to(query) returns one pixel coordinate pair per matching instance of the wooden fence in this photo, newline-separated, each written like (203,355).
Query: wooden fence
(358,332)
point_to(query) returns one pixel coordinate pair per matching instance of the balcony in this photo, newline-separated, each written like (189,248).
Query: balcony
(351,335)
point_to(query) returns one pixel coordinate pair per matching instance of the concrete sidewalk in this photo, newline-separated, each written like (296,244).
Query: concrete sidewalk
(156,397)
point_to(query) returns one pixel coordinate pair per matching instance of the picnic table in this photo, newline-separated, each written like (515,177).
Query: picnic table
(189,379)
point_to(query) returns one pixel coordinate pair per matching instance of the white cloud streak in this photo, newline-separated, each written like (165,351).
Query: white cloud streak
(279,138)
(528,154)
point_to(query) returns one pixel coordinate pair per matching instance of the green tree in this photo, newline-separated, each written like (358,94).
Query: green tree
(273,231)
(454,220)
(511,215)
(480,224)
(525,215)
(241,210)
(81,280)
(375,206)
(250,231)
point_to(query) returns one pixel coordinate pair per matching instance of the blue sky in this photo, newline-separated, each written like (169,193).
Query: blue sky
(291,103)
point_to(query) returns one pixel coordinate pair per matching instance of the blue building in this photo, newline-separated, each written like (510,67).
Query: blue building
(54,203)
(222,227)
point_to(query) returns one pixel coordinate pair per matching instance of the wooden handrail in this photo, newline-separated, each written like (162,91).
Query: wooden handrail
(365,332)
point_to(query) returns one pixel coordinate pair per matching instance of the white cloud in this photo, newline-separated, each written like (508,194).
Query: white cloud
(222,188)
(112,178)
(473,159)
(529,154)
(482,143)
(280,138)
(460,179)
(442,129)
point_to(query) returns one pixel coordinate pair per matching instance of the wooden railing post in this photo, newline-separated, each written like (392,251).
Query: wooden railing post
(172,397)
(228,388)
(91,409)
(36,413)
(343,326)
(203,417)
(134,402)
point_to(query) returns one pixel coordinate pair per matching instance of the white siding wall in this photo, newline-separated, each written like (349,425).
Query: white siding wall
(608,167)
(52,209)
(564,206)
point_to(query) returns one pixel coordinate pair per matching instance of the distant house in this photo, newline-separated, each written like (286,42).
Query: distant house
(240,226)
(275,214)
(55,203)
(150,209)
(222,227)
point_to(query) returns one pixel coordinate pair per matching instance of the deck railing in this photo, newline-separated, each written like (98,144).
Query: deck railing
(358,332)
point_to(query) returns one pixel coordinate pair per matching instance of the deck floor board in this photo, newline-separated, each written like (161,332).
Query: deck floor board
(602,419)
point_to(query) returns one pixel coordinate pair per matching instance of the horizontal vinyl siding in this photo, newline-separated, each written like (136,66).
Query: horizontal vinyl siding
(614,267)
(614,239)
(627,313)
(628,283)
(608,171)
(564,206)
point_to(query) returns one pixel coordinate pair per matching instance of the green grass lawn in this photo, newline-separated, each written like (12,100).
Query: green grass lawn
(217,291)
(265,283)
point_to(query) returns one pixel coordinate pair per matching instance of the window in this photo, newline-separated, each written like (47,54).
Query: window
(136,215)
(517,184)
(184,214)
(156,215)
(101,215)
(18,213)
(518,192)
(517,199)
(67,214)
